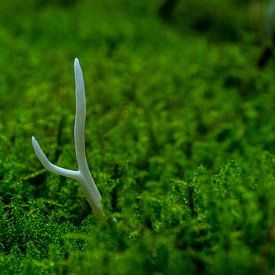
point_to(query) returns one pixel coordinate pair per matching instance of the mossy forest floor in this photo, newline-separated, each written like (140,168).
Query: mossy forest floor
(180,138)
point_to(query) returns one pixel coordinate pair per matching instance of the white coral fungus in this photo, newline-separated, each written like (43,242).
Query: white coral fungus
(83,175)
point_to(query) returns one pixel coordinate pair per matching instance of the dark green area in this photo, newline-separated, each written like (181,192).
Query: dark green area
(180,138)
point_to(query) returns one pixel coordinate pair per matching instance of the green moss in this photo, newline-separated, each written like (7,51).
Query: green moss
(180,138)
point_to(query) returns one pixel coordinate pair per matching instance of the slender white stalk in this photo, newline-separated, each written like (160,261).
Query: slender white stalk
(51,167)
(83,175)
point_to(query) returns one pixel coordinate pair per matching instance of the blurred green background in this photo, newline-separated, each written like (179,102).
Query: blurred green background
(179,137)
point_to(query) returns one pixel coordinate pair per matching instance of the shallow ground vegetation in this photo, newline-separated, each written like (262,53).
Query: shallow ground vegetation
(180,138)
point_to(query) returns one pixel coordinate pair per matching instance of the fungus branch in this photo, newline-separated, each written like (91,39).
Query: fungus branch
(83,175)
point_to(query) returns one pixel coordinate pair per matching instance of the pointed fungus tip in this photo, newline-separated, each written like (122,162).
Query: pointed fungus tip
(76,61)
(34,142)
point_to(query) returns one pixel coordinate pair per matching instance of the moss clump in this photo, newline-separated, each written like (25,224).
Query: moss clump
(180,138)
